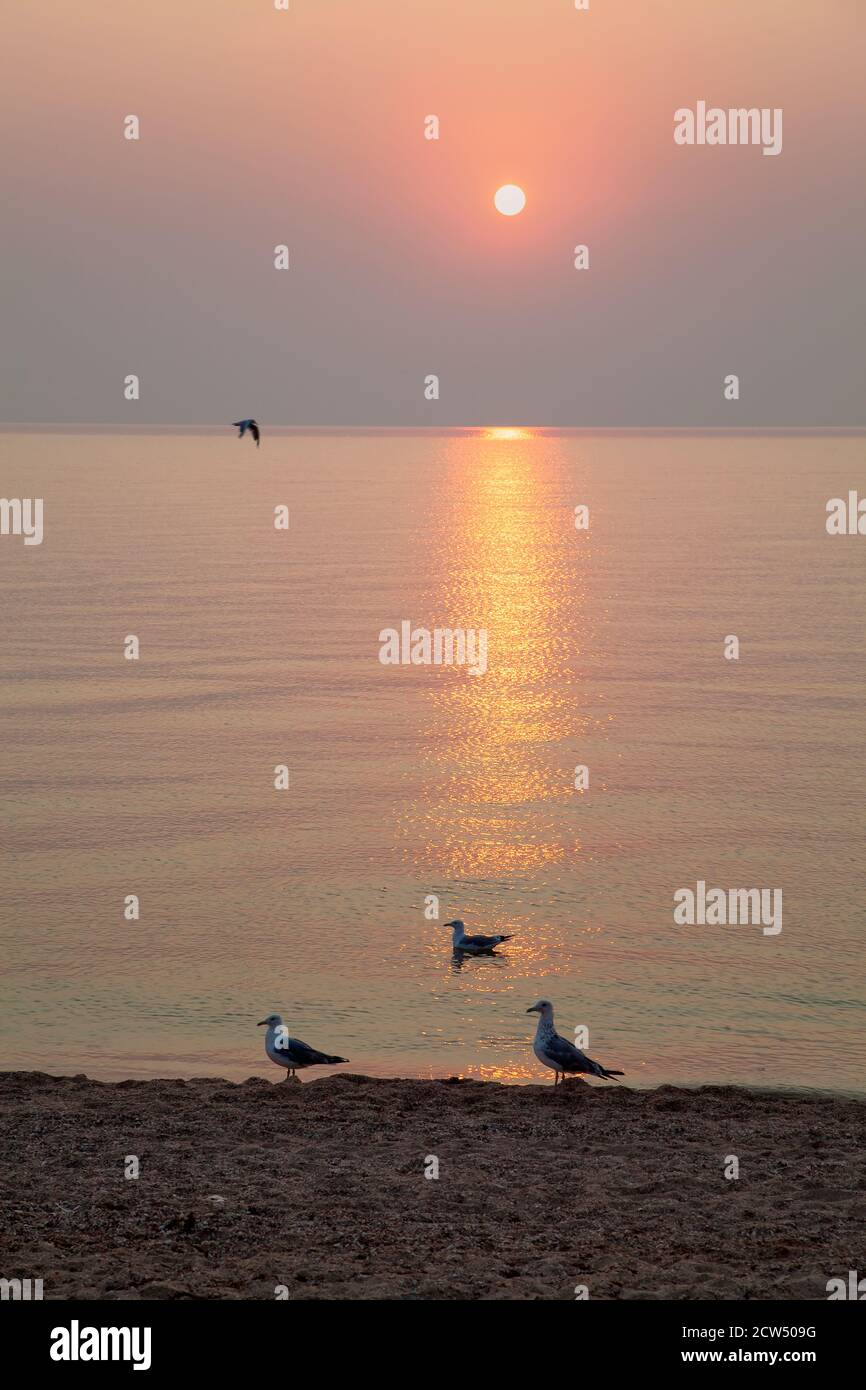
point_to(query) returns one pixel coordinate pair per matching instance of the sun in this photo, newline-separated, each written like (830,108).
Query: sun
(509,200)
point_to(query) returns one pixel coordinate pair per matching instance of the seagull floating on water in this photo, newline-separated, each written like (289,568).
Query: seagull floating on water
(251,425)
(474,945)
(291,1053)
(558,1053)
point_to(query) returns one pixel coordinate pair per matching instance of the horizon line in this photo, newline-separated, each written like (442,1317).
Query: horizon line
(163,427)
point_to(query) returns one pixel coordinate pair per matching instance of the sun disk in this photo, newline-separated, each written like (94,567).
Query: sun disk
(509,200)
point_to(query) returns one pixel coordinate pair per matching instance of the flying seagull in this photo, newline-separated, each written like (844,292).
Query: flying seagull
(291,1053)
(251,425)
(474,945)
(558,1053)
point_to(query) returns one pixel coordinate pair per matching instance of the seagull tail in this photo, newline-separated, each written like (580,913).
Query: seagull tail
(609,1075)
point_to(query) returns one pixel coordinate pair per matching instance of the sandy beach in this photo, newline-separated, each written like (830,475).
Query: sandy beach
(320,1188)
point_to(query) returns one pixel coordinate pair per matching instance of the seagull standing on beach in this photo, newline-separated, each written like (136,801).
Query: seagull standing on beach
(251,425)
(473,945)
(291,1053)
(558,1053)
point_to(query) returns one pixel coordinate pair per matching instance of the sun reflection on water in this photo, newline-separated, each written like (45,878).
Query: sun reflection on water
(508,1073)
(506,432)
(491,824)
(499,745)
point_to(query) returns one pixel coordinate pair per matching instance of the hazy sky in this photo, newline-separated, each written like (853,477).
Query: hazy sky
(260,127)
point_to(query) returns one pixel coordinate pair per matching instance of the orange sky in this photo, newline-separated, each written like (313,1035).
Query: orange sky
(306,127)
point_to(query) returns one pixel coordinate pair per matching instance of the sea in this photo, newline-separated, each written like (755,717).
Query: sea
(220,802)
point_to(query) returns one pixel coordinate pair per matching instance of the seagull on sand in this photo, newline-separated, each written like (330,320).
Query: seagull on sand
(558,1053)
(473,945)
(251,425)
(291,1053)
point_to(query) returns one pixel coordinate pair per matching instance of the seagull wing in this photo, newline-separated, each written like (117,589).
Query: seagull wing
(255,432)
(483,942)
(570,1058)
(566,1055)
(304,1056)
(242,426)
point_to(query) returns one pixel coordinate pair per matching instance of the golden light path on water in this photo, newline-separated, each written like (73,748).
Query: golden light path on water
(499,747)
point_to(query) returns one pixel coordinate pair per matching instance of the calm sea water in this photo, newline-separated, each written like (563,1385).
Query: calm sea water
(260,647)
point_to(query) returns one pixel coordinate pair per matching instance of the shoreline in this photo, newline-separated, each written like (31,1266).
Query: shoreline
(540,1081)
(319,1189)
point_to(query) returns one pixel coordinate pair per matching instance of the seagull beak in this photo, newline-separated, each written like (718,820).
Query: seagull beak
(533,1010)
(262,1023)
